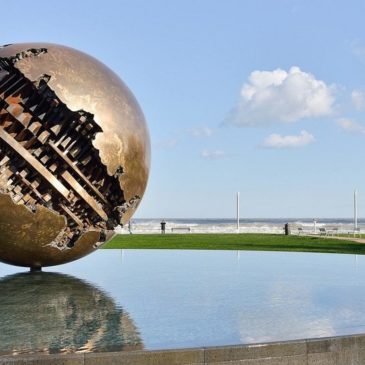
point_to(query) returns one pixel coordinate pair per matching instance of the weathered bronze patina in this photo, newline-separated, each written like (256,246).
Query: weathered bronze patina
(74,154)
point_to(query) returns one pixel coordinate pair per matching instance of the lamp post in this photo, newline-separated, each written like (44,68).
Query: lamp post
(355,209)
(238,212)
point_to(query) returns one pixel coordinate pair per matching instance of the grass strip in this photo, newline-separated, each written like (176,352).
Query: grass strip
(246,241)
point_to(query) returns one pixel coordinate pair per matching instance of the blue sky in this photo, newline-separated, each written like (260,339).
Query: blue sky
(262,97)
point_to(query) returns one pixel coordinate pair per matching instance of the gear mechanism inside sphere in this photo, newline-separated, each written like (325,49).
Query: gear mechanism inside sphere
(74,154)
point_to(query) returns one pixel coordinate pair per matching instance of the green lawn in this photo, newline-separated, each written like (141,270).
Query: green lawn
(257,242)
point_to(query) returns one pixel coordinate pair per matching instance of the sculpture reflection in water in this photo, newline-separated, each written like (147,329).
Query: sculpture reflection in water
(54,313)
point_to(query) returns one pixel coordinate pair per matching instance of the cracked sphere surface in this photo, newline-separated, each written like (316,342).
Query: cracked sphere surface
(74,154)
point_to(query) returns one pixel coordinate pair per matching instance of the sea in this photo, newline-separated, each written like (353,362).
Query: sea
(252,225)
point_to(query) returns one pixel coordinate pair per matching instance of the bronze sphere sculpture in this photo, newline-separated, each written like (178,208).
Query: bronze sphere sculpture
(74,154)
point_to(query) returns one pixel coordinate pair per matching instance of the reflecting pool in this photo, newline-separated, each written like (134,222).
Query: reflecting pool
(118,300)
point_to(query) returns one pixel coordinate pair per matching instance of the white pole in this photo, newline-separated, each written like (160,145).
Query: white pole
(238,212)
(355,209)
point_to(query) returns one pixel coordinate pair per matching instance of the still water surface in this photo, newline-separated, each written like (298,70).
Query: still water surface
(157,299)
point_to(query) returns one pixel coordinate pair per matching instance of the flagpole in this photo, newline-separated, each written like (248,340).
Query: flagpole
(355,209)
(238,212)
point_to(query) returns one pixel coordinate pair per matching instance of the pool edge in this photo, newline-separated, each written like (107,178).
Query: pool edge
(330,350)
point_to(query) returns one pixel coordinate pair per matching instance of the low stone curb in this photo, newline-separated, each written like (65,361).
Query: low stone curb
(342,350)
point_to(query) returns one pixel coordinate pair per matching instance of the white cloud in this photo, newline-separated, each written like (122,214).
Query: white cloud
(351,126)
(279,141)
(358,49)
(213,155)
(167,144)
(281,96)
(201,132)
(358,99)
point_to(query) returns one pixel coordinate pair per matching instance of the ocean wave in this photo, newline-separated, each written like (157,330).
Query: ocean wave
(273,226)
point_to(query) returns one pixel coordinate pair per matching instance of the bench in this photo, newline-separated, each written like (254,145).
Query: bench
(181,229)
(328,232)
(300,231)
(355,232)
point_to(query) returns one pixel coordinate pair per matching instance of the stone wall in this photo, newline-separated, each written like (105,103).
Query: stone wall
(344,350)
